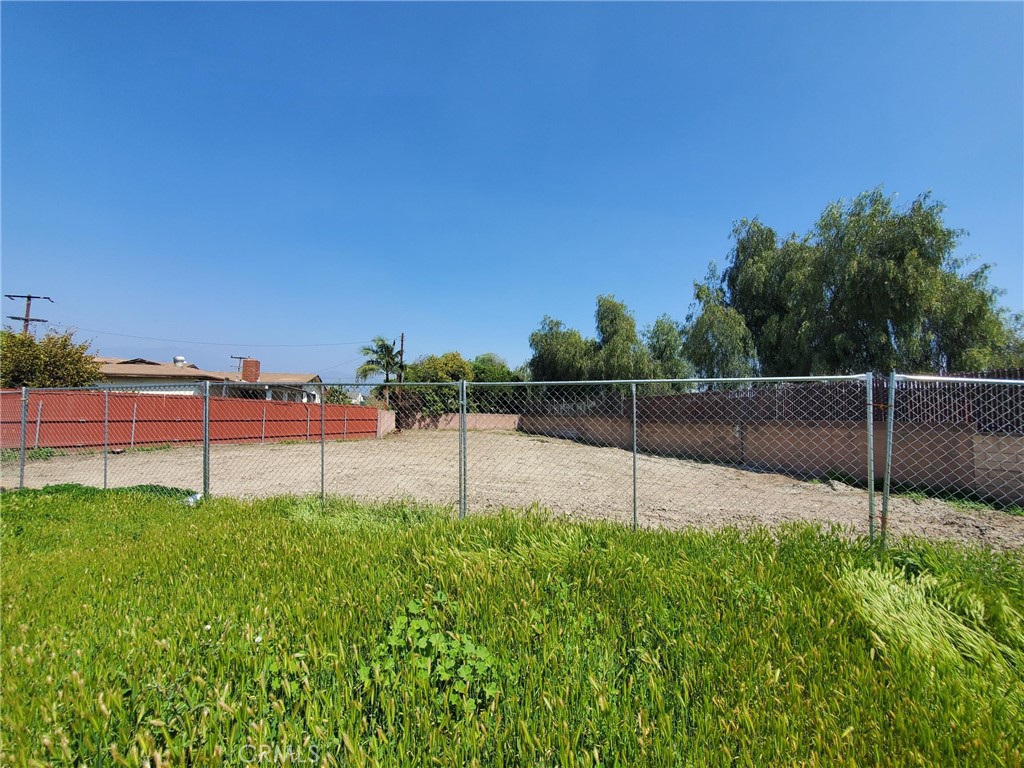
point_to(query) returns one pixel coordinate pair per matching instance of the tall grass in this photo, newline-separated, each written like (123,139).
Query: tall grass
(137,628)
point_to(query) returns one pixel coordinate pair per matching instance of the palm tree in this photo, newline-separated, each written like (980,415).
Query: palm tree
(381,357)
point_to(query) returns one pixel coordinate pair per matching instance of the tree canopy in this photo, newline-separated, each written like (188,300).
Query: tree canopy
(55,360)
(715,340)
(560,353)
(490,367)
(563,354)
(666,346)
(871,287)
(451,366)
(381,359)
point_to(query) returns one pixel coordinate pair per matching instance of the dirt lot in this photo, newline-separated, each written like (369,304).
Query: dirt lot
(512,469)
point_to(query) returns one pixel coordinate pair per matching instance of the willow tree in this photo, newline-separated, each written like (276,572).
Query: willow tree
(872,286)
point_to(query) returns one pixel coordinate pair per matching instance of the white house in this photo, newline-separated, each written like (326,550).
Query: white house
(181,378)
(254,383)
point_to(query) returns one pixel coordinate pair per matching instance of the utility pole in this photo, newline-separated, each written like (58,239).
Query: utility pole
(28,310)
(401,361)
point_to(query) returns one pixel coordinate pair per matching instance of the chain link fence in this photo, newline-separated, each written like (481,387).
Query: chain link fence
(945,455)
(954,438)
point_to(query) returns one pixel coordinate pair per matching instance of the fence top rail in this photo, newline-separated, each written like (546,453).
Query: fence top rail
(391,384)
(119,388)
(744,380)
(954,379)
(590,383)
(454,384)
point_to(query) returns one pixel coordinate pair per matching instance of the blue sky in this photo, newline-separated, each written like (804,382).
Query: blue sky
(255,174)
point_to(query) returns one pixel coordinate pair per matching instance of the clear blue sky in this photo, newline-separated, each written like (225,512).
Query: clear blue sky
(259,173)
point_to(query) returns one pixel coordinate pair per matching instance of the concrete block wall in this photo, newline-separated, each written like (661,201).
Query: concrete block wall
(945,456)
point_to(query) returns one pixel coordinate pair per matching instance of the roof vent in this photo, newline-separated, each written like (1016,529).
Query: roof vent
(179,361)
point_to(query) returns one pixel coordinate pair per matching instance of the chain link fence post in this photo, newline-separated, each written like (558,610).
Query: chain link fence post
(890,409)
(24,437)
(633,389)
(462,450)
(870,385)
(206,439)
(106,434)
(39,419)
(323,447)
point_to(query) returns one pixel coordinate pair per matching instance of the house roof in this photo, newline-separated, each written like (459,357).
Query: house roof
(138,367)
(273,378)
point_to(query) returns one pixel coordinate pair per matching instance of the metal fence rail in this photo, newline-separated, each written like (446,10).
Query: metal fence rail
(664,453)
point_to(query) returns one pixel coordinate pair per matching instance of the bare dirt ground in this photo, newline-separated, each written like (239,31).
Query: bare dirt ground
(517,470)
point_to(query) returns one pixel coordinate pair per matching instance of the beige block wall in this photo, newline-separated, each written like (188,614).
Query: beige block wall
(710,442)
(596,430)
(938,457)
(495,421)
(810,448)
(999,467)
(441,421)
(498,421)
(385,422)
(945,457)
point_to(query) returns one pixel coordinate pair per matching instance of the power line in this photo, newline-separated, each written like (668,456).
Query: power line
(338,365)
(214,343)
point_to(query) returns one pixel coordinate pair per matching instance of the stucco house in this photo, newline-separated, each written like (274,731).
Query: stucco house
(294,387)
(181,378)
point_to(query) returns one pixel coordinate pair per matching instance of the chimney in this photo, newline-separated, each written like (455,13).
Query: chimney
(250,369)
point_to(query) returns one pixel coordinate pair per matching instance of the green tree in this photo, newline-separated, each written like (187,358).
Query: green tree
(52,361)
(880,269)
(563,354)
(665,341)
(773,286)
(560,353)
(716,338)
(451,366)
(439,369)
(965,330)
(489,367)
(381,358)
(620,353)
(871,287)
(336,396)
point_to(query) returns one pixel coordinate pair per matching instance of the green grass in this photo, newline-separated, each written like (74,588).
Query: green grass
(963,501)
(149,448)
(136,626)
(31,454)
